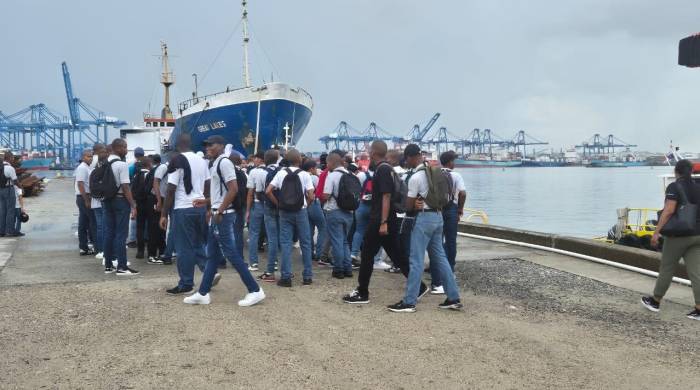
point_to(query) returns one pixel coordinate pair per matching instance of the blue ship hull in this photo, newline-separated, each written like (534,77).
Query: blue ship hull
(237,123)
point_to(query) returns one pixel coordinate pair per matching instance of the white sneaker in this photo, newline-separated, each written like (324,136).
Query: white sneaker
(437,290)
(253,267)
(217,279)
(296,245)
(197,299)
(252,298)
(355,257)
(100,256)
(381,265)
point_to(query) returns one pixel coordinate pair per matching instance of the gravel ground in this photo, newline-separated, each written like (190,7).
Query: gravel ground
(524,326)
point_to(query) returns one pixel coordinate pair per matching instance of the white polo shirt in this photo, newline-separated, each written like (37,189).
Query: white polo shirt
(82,174)
(457,183)
(161,174)
(217,190)
(306,183)
(200,174)
(256,180)
(332,186)
(18,194)
(120,170)
(418,185)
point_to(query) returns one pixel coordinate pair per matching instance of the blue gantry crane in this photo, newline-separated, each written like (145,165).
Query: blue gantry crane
(596,146)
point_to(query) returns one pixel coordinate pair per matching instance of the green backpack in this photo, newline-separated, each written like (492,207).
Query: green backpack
(440,187)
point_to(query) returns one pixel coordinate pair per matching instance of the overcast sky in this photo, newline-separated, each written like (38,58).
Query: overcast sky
(560,70)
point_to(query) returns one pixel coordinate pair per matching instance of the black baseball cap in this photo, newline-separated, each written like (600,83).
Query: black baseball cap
(215,139)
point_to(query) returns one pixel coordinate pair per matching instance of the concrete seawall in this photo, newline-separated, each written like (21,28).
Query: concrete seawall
(626,255)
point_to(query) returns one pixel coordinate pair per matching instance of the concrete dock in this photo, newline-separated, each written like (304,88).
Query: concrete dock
(532,319)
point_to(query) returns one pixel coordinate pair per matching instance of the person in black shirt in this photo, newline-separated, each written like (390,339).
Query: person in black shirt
(383,226)
(675,247)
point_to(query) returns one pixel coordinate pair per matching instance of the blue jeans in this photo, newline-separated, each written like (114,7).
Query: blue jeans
(190,242)
(238,226)
(291,221)
(116,216)
(83,223)
(255,225)
(449,229)
(361,221)
(427,235)
(272,229)
(221,242)
(132,230)
(99,231)
(18,220)
(170,240)
(339,224)
(317,220)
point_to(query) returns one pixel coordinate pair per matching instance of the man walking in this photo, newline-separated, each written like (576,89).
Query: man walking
(426,234)
(160,189)
(221,240)
(383,226)
(141,191)
(117,211)
(296,191)
(8,178)
(338,221)
(451,215)
(188,177)
(99,156)
(83,201)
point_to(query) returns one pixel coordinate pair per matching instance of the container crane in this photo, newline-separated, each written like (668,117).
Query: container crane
(596,146)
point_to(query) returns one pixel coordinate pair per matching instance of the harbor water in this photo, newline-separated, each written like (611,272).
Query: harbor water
(575,201)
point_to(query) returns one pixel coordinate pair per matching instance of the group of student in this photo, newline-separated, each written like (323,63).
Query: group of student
(12,212)
(341,217)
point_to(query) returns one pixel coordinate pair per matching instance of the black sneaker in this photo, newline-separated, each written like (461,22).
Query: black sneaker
(325,262)
(452,305)
(109,270)
(82,252)
(356,298)
(694,315)
(131,244)
(284,282)
(348,274)
(178,290)
(338,274)
(651,304)
(154,260)
(355,264)
(402,308)
(166,260)
(393,270)
(126,271)
(423,290)
(307,282)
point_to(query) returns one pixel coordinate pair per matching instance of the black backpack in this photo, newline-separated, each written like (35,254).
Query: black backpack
(103,184)
(3,178)
(139,187)
(349,192)
(271,172)
(291,195)
(241,181)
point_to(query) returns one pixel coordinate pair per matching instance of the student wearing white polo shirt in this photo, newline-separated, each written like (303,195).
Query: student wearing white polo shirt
(255,212)
(83,201)
(292,219)
(338,221)
(221,240)
(188,188)
(7,196)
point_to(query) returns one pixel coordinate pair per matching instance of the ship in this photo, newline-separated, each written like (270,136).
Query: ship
(250,118)
(38,163)
(479,163)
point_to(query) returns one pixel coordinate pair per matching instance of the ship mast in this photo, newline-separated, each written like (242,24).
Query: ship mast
(167,79)
(246,39)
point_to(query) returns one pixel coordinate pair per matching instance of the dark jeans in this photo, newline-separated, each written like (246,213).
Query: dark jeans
(238,226)
(449,229)
(99,242)
(83,223)
(116,215)
(221,243)
(391,244)
(156,235)
(190,239)
(143,213)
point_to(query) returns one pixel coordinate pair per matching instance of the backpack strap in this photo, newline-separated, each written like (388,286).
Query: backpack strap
(221,179)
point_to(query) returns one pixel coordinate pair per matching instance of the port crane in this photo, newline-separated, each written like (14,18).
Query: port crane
(596,145)
(86,130)
(36,128)
(522,140)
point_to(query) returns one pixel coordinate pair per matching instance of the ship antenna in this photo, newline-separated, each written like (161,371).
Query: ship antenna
(246,39)
(167,80)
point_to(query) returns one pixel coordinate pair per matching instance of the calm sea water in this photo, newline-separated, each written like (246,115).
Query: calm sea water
(574,201)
